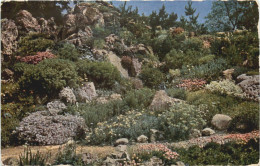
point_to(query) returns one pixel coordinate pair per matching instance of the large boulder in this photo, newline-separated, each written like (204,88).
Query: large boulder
(162,101)
(250,85)
(67,95)
(9,34)
(44,129)
(26,22)
(221,121)
(87,92)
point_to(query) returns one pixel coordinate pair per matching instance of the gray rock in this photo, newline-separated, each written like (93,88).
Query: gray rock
(26,22)
(208,132)
(122,141)
(142,139)
(121,148)
(221,121)
(250,85)
(154,161)
(9,34)
(67,95)
(11,161)
(87,92)
(195,133)
(162,101)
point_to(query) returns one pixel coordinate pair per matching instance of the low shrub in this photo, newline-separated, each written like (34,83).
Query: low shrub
(103,74)
(194,44)
(33,43)
(140,98)
(209,71)
(178,93)
(68,51)
(93,113)
(225,87)
(175,59)
(99,43)
(245,118)
(214,103)
(180,119)
(206,59)
(131,125)
(48,77)
(216,154)
(35,59)
(152,77)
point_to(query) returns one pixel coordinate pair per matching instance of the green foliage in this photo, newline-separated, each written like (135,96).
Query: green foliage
(216,104)
(209,71)
(227,154)
(68,51)
(28,158)
(37,9)
(194,44)
(238,48)
(206,59)
(245,117)
(94,113)
(103,74)
(225,87)
(48,77)
(180,119)
(68,155)
(162,19)
(178,93)
(231,15)
(33,43)
(100,32)
(175,59)
(152,77)
(131,125)
(162,45)
(192,24)
(141,98)
(8,124)
(99,44)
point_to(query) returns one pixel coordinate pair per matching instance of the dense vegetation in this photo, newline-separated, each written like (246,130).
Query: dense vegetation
(187,62)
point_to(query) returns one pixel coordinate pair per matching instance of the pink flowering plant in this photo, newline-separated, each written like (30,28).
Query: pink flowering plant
(144,152)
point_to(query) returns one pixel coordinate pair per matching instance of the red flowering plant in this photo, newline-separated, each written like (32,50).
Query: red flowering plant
(35,59)
(192,84)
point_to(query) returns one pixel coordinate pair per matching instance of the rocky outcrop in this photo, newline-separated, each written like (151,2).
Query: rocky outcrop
(194,133)
(86,93)
(44,129)
(76,28)
(67,95)
(9,34)
(26,22)
(162,101)
(250,85)
(48,26)
(221,121)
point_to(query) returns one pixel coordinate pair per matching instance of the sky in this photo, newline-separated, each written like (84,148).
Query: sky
(146,7)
